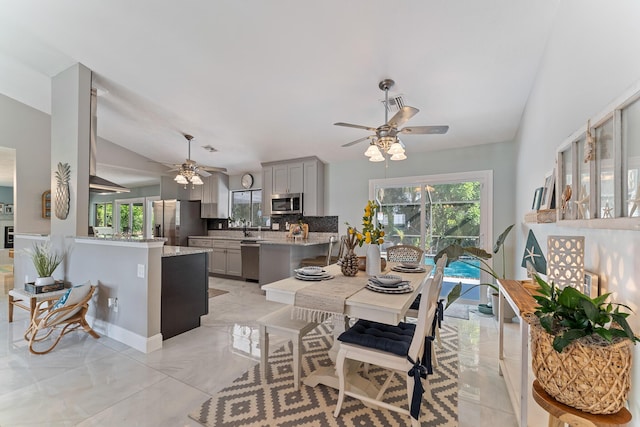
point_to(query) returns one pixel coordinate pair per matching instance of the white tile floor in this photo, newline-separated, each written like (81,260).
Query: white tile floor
(102,382)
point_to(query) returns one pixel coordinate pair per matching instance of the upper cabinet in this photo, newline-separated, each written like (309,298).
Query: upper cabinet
(287,178)
(304,176)
(215,196)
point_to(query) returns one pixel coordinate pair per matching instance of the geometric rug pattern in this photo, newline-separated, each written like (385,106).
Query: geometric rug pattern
(249,401)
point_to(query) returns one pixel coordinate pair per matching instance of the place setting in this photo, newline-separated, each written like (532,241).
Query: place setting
(389,284)
(409,267)
(312,274)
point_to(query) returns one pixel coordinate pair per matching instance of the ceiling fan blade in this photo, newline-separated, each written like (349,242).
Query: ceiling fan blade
(349,144)
(212,169)
(425,130)
(402,116)
(203,172)
(349,125)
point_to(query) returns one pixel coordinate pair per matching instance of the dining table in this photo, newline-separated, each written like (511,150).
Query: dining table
(349,299)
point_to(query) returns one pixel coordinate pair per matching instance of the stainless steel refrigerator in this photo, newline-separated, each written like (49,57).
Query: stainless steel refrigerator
(176,220)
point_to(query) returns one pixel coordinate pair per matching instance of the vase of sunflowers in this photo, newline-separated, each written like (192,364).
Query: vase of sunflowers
(372,234)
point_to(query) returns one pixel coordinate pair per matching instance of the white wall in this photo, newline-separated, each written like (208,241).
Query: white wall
(591,58)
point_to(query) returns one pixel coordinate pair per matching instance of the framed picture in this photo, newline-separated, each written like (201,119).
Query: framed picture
(549,193)
(8,209)
(537,198)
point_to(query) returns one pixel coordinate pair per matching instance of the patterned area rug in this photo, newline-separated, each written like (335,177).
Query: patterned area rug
(216,292)
(250,402)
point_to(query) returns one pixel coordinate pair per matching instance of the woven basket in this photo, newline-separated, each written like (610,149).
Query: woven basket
(589,374)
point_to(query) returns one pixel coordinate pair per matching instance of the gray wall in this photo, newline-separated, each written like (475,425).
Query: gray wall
(590,60)
(6,195)
(28,131)
(347,183)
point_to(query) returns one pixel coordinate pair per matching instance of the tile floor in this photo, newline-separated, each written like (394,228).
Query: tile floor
(88,382)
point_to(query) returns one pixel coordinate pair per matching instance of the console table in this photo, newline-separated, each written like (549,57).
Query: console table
(516,369)
(19,297)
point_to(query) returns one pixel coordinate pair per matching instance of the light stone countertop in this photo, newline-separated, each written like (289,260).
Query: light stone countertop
(168,251)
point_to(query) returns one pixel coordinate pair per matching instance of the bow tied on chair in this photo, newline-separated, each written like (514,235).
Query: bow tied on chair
(417,371)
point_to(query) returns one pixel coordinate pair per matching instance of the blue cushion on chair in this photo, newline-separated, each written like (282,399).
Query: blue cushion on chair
(415,305)
(391,339)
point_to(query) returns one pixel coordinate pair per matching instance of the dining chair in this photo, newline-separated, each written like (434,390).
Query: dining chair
(65,315)
(404,253)
(395,348)
(324,260)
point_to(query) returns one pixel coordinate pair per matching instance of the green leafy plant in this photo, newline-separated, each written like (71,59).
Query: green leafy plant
(45,259)
(568,315)
(456,252)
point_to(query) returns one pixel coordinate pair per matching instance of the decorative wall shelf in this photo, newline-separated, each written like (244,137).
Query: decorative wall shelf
(542,216)
(46,204)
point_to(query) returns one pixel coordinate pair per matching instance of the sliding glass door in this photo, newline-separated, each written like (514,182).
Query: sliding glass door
(434,211)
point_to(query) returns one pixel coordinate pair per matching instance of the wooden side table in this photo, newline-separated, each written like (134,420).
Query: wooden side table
(560,413)
(19,297)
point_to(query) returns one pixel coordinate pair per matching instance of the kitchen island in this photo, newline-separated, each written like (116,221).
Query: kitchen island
(185,283)
(278,258)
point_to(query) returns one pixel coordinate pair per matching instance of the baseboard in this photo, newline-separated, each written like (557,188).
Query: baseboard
(125,336)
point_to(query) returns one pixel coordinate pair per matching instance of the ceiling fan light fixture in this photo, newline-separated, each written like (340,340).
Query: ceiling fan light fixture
(398,156)
(196,180)
(372,151)
(377,157)
(180,179)
(396,148)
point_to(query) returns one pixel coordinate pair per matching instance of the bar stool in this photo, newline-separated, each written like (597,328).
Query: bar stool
(560,413)
(280,323)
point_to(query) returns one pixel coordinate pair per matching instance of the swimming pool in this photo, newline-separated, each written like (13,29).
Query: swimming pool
(459,268)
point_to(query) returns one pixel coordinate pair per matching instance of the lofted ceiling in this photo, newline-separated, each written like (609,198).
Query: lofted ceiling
(265,80)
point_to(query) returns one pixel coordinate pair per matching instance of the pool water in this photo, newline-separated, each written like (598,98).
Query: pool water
(460,270)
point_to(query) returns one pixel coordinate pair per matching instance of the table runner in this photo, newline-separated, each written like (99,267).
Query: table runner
(323,300)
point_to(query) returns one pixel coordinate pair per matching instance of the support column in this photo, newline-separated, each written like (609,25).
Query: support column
(70,128)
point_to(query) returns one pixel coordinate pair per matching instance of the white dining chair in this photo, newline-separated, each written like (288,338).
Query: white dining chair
(400,349)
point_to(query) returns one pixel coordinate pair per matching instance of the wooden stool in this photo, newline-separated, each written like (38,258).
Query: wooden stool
(560,413)
(280,323)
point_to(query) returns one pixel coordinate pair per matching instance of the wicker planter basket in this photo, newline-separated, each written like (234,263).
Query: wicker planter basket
(590,374)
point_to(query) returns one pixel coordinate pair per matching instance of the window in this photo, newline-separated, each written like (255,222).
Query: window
(104,215)
(246,206)
(131,217)
(432,212)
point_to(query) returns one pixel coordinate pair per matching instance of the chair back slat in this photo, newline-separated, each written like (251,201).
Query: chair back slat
(441,264)
(426,313)
(404,253)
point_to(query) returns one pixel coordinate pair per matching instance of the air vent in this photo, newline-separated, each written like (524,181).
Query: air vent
(395,103)
(209,148)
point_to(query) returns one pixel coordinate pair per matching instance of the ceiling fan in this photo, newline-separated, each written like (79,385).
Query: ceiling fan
(190,171)
(387,134)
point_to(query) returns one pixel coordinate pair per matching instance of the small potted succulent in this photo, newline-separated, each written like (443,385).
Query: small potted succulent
(45,260)
(581,348)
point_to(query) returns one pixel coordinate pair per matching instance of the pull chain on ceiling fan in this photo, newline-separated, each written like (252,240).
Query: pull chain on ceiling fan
(385,142)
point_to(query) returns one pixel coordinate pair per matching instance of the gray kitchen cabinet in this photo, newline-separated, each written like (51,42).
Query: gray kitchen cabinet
(215,196)
(203,243)
(267,187)
(287,178)
(226,258)
(304,175)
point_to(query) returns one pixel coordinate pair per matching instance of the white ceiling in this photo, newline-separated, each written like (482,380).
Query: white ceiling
(265,80)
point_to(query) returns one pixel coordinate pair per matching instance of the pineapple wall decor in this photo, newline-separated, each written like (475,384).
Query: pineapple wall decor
(63,200)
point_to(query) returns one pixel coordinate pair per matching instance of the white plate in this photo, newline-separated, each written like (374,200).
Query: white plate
(401,269)
(401,290)
(413,265)
(400,285)
(313,278)
(388,279)
(311,271)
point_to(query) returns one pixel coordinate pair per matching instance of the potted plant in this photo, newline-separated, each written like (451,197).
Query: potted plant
(581,348)
(45,260)
(455,252)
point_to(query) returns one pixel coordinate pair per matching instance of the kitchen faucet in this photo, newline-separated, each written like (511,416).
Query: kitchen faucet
(244,229)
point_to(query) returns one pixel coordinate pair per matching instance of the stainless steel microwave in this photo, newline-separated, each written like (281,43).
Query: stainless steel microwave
(286,203)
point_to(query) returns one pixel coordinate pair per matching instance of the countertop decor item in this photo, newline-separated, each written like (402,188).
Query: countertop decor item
(581,348)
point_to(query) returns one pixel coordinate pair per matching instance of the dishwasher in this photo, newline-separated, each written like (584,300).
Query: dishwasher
(250,251)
